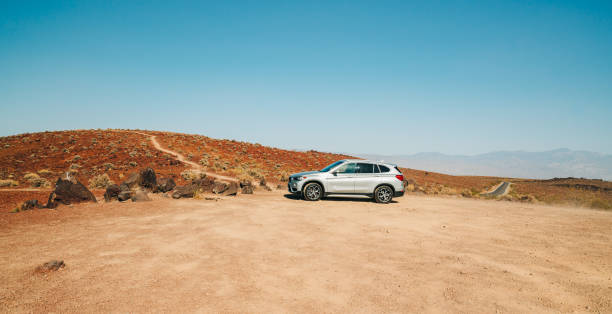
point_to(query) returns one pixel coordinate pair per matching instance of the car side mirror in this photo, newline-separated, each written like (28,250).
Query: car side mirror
(335,173)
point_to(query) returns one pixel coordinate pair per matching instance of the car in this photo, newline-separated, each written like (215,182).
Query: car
(379,180)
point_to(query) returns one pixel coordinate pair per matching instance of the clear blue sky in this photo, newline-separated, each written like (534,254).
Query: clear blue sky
(387,77)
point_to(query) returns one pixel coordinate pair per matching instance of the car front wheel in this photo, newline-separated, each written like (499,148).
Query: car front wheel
(312,192)
(383,194)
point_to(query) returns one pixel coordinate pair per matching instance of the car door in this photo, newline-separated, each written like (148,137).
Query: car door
(342,179)
(365,179)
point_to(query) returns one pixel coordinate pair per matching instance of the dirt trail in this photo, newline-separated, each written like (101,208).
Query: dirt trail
(181,158)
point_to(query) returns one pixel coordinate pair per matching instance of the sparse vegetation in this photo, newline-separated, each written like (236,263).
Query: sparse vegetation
(8,183)
(35,180)
(100,182)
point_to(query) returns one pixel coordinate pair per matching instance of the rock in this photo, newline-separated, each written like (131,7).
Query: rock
(148,179)
(112,191)
(281,187)
(204,184)
(165,184)
(124,187)
(232,189)
(247,189)
(220,187)
(30,204)
(244,183)
(267,188)
(131,182)
(52,265)
(124,195)
(140,196)
(68,190)
(263,182)
(185,191)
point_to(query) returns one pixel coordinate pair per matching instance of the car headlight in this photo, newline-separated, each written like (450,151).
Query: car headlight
(299,178)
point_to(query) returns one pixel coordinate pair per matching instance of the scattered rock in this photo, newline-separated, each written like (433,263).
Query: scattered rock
(267,188)
(205,184)
(140,196)
(212,198)
(52,265)
(232,189)
(112,191)
(281,187)
(30,204)
(165,184)
(124,195)
(263,182)
(69,190)
(185,191)
(131,182)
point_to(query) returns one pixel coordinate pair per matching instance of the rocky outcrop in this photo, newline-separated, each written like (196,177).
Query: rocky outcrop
(165,185)
(68,190)
(124,195)
(246,187)
(112,191)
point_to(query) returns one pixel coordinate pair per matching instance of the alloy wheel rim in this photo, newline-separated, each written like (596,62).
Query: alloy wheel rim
(384,194)
(313,192)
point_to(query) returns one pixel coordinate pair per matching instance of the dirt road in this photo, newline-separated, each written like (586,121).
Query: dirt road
(269,253)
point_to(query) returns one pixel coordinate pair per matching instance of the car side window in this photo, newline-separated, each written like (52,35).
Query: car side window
(376,170)
(384,168)
(365,168)
(347,168)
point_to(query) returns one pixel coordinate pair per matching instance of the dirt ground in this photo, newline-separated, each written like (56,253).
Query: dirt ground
(270,253)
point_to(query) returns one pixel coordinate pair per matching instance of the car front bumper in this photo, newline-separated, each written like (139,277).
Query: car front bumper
(295,186)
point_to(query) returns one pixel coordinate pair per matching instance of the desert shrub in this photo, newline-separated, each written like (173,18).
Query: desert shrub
(35,180)
(108,166)
(45,172)
(75,158)
(100,182)
(283,176)
(8,182)
(133,164)
(204,161)
(75,166)
(133,153)
(189,175)
(601,204)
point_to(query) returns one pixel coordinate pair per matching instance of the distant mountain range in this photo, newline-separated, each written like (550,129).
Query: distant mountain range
(517,164)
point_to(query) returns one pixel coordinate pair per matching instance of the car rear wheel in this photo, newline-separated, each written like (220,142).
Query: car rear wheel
(312,191)
(383,194)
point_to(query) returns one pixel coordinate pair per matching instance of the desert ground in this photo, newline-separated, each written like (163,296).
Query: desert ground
(268,252)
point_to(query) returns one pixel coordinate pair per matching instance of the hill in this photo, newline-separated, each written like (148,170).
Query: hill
(30,164)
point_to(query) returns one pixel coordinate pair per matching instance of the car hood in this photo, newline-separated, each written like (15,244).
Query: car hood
(304,173)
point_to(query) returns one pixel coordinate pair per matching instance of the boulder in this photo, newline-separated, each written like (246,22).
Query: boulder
(205,184)
(244,183)
(30,204)
(247,189)
(124,195)
(220,187)
(148,179)
(68,190)
(145,178)
(185,191)
(112,191)
(232,189)
(263,182)
(165,184)
(140,196)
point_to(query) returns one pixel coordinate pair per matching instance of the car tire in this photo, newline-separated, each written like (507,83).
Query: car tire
(312,191)
(383,194)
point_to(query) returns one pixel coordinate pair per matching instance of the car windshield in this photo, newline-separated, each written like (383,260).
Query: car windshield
(328,168)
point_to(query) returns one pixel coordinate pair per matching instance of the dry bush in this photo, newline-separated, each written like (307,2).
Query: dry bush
(35,180)
(100,182)
(601,204)
(45,172)
(9,182)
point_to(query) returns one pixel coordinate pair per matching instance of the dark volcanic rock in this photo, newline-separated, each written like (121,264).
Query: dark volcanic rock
(220,187)
(30,204)
(248,189)
(124,195)
(112,191)
(140,196)
(165,184)
(232,189)
(52,265)
(185,191)
(148,179)
(205,185)
(69,190)
(131,182)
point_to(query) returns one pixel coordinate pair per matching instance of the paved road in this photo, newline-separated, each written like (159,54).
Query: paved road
(502,189)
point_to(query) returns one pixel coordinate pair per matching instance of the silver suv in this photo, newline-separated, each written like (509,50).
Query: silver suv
(350,177)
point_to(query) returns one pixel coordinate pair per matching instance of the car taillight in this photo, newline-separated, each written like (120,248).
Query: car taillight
(400,177)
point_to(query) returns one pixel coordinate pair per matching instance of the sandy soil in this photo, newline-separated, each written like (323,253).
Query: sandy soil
(270,253)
